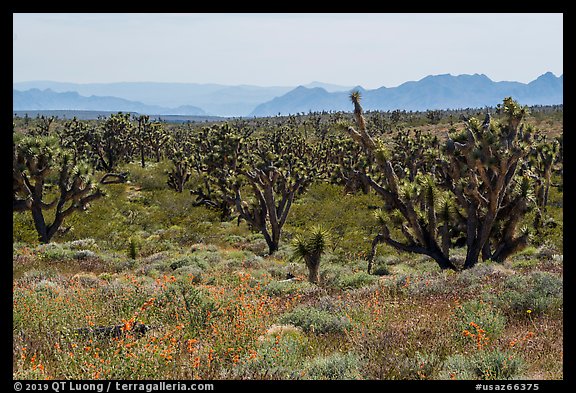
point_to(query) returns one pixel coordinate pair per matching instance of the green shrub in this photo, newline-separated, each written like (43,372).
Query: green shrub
(23,228)
(154,244)
(474,275)
(277,357)
(88,280)
(151,177)
(84,254)
(196,306)
(35,275)
(356,280)
(330,304)
(484,365)
(192,272)
(55,252)
(189,260)
(330,274)
(311,319)
(540,292)
(424,366)
(529,251)
(82,244)
(526,264)
(348,216)
(381,270)
(236,241)
(253,262)
(335,366)
(258,247)
(483,314)
(430,284)
(281,288)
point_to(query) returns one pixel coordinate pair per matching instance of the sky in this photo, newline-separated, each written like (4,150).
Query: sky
(370,50)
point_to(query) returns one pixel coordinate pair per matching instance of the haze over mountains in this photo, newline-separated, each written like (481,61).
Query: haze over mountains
(432,92)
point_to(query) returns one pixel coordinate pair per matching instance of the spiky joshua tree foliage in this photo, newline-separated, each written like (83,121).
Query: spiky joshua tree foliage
(273,170)
(43,171)
(476,187)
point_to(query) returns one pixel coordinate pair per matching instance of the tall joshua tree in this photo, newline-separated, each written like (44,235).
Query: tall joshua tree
(484,173)
(477,185)
(259,177)
(112,142)
(274,168)
(39,165)
(150,138)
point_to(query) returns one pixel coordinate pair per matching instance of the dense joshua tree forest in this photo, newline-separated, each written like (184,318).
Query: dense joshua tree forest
(357,245)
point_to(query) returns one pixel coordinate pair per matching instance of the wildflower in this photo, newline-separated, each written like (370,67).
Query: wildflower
(528,311)
(407,283)
(190,345)
(127,325)
(147,303)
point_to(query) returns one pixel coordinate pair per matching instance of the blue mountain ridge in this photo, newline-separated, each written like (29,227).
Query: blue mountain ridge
(36,99)
(443,91)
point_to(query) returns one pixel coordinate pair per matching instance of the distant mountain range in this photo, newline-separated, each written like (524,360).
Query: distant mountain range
(432,92)
(36,99)
(213,99)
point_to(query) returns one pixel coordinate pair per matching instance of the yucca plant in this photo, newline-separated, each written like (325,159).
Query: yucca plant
(310,247)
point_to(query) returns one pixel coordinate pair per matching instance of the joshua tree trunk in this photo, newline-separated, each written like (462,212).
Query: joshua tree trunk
(40,224)
(313,270)
(378,239)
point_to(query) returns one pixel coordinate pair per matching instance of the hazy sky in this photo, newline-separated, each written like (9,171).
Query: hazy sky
(371,50)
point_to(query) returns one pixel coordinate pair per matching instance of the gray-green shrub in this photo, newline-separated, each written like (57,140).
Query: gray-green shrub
(312,319)
(336,366)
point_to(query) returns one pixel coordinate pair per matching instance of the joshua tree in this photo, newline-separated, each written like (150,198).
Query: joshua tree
(310,247)
(157,139)
(214,155)
(259,177)
(477,186)
(39,166)
(346,163)
(150,138)
(180,173)
(43,125)
(75,136)
(112,142)
(542,159)
(140,137)
(275,168)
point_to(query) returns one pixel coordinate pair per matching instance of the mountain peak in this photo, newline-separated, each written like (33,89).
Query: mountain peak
(329,87)
(547,76)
